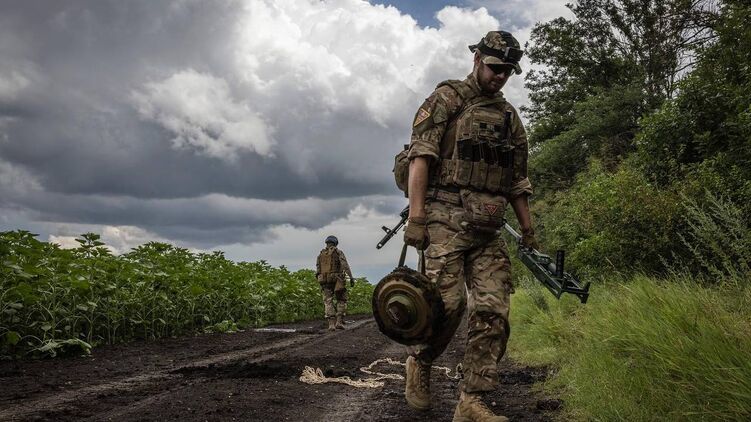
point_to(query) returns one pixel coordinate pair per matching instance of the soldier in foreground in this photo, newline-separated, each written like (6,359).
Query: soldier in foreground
(331,270)
(468,161)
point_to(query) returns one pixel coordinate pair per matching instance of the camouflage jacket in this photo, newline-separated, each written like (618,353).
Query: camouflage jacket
(344,265)
(433,135)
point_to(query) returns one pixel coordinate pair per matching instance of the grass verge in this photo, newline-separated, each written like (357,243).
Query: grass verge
(641,350)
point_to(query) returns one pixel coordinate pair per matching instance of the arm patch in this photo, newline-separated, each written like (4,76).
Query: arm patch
(422,115)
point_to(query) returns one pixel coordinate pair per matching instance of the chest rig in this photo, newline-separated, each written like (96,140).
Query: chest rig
(480,135)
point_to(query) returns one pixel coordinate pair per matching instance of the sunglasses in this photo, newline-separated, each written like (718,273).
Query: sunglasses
(501,68)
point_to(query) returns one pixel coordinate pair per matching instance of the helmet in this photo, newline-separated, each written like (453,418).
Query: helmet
(332,239)
(500,48)
(407,306)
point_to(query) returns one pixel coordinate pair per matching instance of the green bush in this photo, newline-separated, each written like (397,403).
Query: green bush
(54,300)
(718,238)
(610,221)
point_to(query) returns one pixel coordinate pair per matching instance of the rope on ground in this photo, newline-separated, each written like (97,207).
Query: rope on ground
(315,376)
(312,375)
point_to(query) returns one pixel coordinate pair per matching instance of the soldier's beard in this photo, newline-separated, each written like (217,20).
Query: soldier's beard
(487,85)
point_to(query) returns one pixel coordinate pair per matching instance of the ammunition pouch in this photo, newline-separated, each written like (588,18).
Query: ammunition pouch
(339,282)
(483,211)
(478,166)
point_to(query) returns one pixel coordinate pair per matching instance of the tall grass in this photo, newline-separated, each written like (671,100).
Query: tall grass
(643,348)
(646,350)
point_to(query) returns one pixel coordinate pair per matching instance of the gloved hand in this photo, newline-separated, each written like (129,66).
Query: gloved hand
(529,240)
(416,233)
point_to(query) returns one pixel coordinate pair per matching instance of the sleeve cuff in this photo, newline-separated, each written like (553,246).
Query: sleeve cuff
(419,149)
(521,187)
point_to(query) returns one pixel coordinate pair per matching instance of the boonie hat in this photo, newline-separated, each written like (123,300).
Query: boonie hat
(500,48)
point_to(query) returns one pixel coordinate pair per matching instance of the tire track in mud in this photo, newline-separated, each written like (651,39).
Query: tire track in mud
(254,376)
(48,404)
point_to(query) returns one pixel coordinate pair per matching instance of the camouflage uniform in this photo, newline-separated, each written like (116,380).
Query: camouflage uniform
(333,285)
(460,259)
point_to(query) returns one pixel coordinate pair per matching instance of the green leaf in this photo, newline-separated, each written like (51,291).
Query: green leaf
(12,338)
(46,327)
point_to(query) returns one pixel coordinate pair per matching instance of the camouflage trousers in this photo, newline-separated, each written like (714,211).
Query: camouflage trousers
(472,270)
(329,293)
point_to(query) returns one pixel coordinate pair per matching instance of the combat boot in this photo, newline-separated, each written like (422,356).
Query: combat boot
(340,322)
(472,409)
(417,384)
(332,324)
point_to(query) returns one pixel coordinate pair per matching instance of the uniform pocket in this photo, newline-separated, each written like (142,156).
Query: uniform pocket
(483,211)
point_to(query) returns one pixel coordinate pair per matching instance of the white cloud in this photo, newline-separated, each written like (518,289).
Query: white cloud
(341,80)
(118,239)
(348,55)
(199,109)
(358,234)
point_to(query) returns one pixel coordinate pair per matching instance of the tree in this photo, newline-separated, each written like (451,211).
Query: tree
(625,55)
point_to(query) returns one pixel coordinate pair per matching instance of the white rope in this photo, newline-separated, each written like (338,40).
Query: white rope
(315,376)
(312,375)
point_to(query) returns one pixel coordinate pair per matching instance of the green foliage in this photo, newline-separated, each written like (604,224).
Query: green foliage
(55,301)
(608,222)
(603,127)
(613,62)
(643,350)
(719,239)
(609,43)
(702,139)
(636,172)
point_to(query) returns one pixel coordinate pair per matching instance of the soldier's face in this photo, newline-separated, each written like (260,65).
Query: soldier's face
(491,82)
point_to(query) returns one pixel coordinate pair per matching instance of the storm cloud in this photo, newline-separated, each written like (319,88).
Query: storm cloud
(214,123)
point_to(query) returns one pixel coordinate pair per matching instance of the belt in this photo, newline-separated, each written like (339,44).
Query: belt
(447,194)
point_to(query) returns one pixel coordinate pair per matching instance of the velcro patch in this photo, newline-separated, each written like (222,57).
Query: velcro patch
(422,114)
(492,208)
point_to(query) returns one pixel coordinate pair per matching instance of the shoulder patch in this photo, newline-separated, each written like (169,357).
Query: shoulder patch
(422,115)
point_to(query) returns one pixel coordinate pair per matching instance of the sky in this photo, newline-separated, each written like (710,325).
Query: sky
(253,127)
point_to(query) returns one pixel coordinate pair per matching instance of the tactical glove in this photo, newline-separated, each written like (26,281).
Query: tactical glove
(528,239)
(416,233)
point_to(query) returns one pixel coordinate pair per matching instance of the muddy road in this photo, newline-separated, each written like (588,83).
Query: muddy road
(247,376)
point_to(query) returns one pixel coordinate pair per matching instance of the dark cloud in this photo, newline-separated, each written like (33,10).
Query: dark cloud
(75,128)
(126,113)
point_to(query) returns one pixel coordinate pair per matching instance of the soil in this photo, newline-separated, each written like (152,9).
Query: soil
(249,376)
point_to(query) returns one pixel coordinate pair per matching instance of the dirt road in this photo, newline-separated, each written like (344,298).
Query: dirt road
(247,376)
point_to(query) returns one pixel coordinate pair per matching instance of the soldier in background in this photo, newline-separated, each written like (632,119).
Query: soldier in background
(331,270)
(468,161)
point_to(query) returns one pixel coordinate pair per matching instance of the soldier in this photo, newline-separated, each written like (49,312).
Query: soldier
(468,160)
(331,269)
